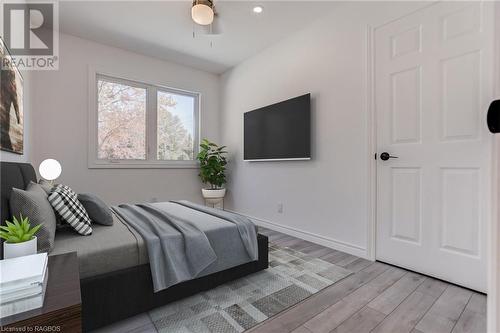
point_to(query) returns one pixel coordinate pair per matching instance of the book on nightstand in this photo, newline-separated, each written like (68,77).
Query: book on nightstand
(23,281)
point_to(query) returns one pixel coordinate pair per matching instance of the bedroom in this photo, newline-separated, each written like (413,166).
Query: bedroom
(337,208)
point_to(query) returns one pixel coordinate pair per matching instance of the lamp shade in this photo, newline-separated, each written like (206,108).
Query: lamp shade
(202,14)
(50,169)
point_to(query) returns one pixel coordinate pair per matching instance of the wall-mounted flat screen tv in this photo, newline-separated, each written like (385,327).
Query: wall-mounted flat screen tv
(280,131)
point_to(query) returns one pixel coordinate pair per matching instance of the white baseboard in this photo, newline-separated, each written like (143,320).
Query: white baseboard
(309,236)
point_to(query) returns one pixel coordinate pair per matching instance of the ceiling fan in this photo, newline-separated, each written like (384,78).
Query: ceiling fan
(206,17)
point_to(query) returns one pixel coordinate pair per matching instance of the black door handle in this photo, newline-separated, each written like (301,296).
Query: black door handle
(385,156)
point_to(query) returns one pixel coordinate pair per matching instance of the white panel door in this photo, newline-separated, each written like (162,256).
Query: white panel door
(433,84)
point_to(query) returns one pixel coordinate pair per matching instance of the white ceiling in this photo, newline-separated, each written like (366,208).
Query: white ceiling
(164,29)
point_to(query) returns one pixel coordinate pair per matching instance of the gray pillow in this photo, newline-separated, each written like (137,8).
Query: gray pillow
(47,186)
(98,211)
(33,203)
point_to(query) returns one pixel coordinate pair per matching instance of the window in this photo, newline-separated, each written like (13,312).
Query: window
(142,125)
(175,126)
(121,121)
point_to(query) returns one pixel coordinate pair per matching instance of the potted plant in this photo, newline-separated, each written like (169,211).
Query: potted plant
(19,236)
(213,162)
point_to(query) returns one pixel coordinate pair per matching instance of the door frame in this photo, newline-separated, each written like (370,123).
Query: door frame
(493,310)
(493,225)
(372,140)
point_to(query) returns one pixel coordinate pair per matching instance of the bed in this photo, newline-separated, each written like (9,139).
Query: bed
(115,274)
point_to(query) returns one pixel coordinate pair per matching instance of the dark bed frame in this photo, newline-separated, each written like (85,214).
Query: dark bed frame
(117,295)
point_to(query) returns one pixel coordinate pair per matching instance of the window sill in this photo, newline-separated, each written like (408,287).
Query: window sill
(125,165)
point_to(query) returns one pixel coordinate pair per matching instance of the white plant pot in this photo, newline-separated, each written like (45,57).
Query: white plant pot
(13,250)
(213,194)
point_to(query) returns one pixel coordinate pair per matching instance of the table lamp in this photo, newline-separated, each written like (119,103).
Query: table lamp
(50,169)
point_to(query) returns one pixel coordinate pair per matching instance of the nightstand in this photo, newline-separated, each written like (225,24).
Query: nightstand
(62,306)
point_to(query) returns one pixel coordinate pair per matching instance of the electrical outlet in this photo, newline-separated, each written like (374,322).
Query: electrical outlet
(280,208)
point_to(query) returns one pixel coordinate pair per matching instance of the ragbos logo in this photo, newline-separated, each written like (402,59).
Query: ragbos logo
(30,33)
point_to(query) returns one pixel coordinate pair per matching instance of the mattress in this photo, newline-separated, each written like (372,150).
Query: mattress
(108,249)
(116,247)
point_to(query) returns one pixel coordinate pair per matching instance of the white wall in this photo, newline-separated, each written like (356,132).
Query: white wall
(27,111)
(326,199)
(60,129)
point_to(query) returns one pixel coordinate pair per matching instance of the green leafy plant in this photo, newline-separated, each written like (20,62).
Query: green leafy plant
(213,163)
(18,231)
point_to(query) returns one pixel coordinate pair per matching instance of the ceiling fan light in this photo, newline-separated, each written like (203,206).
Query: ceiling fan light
(202,14)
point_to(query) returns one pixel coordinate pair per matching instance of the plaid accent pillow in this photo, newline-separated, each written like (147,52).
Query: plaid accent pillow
(66,205)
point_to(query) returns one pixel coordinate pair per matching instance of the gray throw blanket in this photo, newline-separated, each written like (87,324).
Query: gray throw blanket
(185,240)
(245,226)
(177,250)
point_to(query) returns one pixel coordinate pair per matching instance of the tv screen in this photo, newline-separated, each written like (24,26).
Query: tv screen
(281,131)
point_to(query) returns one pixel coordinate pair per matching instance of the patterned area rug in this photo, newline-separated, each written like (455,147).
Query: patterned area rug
(239,305)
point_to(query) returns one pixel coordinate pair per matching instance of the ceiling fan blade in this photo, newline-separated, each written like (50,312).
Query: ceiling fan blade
(216,27)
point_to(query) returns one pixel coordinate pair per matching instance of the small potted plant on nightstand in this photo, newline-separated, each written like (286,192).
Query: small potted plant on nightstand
(19,236)
(213,162)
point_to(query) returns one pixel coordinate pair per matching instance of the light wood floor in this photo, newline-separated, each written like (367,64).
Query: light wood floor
(376,298)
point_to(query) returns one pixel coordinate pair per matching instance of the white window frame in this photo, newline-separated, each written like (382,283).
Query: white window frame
(151,161)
